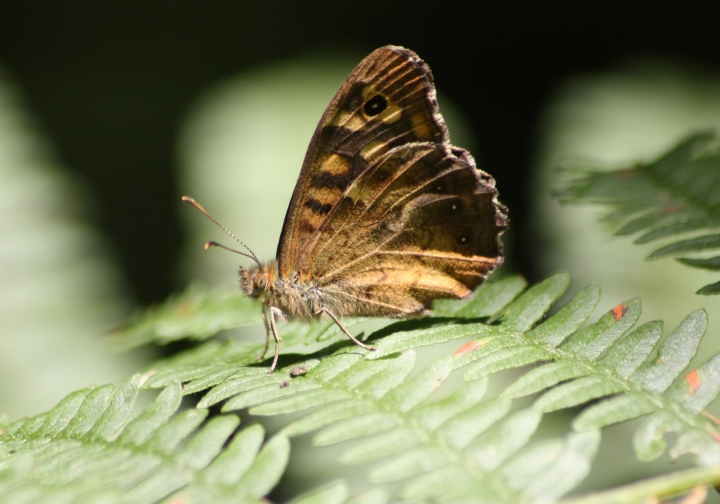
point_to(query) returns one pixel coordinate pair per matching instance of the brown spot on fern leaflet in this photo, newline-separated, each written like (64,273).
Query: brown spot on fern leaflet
(696,496)
(619,311)
(712,418)
(693,380)
(467,347)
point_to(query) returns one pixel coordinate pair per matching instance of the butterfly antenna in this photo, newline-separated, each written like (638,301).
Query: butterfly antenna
(209,244)
(220,245)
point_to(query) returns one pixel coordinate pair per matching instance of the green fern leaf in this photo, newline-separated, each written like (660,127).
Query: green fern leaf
(193,314)
(198,315)
(382,408)
(86,448)
(414,415)
(712,263)
(665,199)
(334,493)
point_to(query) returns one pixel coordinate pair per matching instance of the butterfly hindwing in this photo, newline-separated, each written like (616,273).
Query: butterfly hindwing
(421,223)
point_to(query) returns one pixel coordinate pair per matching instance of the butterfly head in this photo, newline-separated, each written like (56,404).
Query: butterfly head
(257,282)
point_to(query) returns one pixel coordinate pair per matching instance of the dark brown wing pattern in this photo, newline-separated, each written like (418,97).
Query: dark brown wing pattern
(387,216)
(387,101)
(421,223)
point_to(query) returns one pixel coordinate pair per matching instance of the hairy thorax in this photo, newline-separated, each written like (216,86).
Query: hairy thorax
(294,298)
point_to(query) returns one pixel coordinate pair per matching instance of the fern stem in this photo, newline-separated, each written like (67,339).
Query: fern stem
(667,485)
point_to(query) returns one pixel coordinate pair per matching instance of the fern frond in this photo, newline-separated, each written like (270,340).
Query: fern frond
(197,315)
(87,448)
(193,314)
(666,199)
(408,421)
(415,432)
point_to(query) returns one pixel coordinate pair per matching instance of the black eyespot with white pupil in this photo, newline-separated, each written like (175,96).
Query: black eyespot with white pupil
(375,105)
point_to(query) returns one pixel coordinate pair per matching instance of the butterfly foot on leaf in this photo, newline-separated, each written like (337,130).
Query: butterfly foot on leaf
(347,333)
(368,347)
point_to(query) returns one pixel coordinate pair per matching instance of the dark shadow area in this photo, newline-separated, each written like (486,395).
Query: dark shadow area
(110,82)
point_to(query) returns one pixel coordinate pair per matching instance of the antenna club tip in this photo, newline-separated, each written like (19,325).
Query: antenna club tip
(208,245)
(188,199)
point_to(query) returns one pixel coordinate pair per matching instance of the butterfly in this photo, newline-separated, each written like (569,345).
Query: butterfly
(386,216)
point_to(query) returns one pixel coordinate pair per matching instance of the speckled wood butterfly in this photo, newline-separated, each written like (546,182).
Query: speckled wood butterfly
(386,216)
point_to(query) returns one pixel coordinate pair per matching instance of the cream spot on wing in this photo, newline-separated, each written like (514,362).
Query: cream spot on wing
(391,115)
(368,92)
(335,164)
(335,118)
(348,120)
(353,192)
(422,126)
(340,117)
(373,149)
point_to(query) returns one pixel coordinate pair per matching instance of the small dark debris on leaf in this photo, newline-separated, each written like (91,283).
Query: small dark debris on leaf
(284,384)
(298,371)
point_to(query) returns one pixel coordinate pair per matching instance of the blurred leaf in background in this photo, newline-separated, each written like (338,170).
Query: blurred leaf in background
(60,291)
(613,120)
(673,202)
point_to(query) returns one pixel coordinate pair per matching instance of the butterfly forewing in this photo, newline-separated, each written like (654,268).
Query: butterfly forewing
(387,101)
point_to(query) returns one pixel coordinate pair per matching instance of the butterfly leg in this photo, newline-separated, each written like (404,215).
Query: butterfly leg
(273,313)
(347,333)
(267,334)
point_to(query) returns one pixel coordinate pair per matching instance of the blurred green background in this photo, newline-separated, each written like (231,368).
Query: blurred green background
(109,112)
